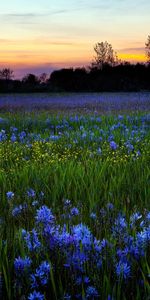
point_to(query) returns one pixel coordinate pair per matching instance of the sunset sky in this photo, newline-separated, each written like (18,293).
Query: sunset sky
(41,35)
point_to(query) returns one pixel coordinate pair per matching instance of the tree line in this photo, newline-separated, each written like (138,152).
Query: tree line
(106,73)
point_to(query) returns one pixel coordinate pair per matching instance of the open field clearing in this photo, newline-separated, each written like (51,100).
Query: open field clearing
(75,197)
(84,102)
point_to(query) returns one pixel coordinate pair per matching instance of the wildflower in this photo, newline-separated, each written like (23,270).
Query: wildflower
(13,129)
(82,234)
(135,217)
(22,264)
(138,153)
(17,211)
(93,215)
(42,272)
(13,138)
(22,135)
(67,202)
(123,270)
(10,195)
(54,137)
(32,240)
(41,195)
(31,193)
(91,292)
(36,296)
(80,280)
(110,206)
(44,215)
(24,233)
(74,211)
(120,223)
(120,117)
(113,145)
(148,216)
(35,203)
(99,151)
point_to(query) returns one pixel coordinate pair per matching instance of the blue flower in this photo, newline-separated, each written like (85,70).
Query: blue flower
(42,272)
(93,215)
(32,240)
(44,215)
(99,151)
(113,145)
(35,203)
(110,206)
(74,211)
(17,211)
(31,193)
(13,138)
(67,203)
(82,234)
(22,264)
(120,226)
(10,195)
(91,292)
(36,296)
(123,270)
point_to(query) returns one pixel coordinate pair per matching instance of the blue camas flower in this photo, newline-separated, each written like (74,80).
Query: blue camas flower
(74,211)
(10,195)
(123,270)
(31,193)
(22,264)
(91,293)
(36,296)
(113,145)
(32,241)
(44,215)
(42,272)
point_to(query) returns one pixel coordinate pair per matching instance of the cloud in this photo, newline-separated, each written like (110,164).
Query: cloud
(132,50)
(36,15)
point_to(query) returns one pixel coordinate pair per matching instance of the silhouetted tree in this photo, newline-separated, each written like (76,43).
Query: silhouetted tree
(43,78)
(31,79)
(147,47)
(105,55)
(6,74)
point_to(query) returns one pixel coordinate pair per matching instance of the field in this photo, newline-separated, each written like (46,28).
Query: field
(75,197)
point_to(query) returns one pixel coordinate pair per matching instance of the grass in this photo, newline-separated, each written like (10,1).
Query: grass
(70,157)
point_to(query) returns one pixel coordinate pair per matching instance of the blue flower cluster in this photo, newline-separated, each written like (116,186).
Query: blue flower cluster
(71,251)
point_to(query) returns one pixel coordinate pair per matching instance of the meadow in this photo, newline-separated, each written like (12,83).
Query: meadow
(75,202)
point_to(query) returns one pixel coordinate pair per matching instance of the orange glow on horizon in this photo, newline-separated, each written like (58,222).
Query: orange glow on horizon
(132,57)
(53,54)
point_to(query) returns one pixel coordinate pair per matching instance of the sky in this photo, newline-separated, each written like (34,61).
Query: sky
(39,36)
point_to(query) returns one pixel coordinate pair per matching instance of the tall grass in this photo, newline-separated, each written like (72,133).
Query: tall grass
(79,166)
